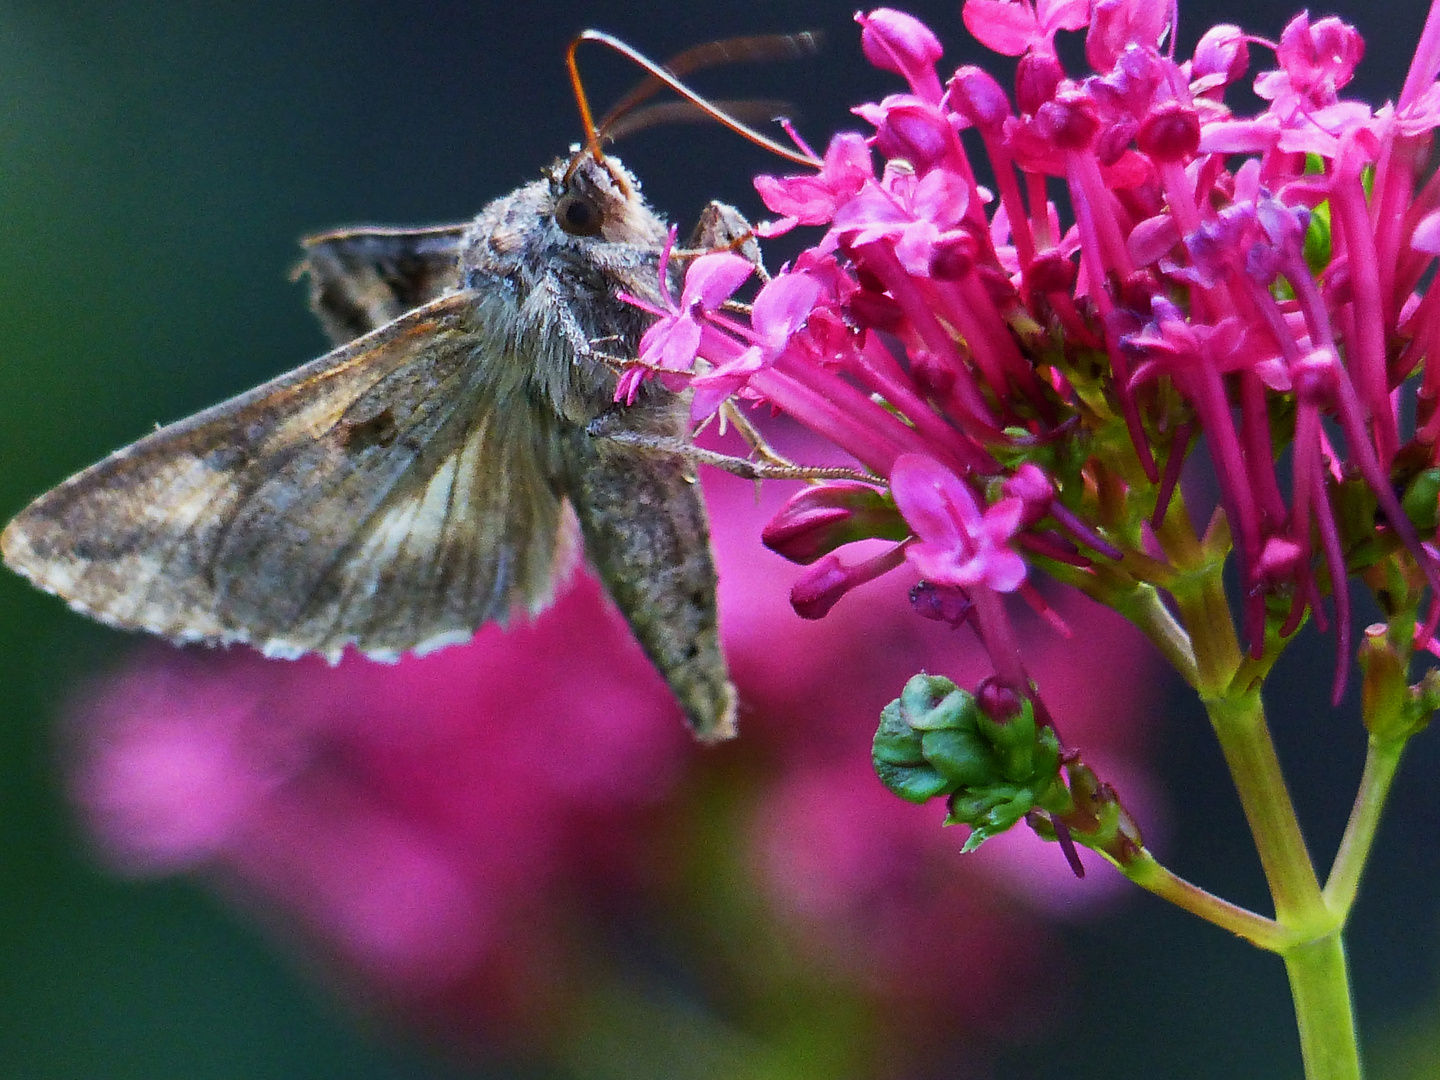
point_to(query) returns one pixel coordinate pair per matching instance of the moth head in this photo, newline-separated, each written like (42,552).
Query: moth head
(594,195)
(598,198)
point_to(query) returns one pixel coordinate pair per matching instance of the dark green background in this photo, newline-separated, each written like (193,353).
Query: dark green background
(157,162)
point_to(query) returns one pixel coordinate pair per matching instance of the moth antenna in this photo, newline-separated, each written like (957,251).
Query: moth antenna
(643,117)
(665,77)
(587,118)
(762,48)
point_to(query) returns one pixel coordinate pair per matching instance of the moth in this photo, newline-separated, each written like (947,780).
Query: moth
(438,470)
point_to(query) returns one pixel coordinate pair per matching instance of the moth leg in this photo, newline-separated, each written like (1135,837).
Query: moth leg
(610,428)
(721,227)
(730,413)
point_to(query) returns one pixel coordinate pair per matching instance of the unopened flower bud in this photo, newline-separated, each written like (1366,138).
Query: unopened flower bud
(998,701)
(941,603)
(1070,121)
(911,131)
(817,520)
(895,41)
(936,739)
(1037,77)
(817,590)
(1421,501)
(1051,271)
(1383,693)
(977,96)
(952,257)
(1170,133)
(874,310)
(1221,57)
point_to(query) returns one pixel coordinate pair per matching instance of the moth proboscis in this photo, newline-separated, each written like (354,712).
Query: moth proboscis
(440,467)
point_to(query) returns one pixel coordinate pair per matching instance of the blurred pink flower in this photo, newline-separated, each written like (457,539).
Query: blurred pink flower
(440,830)
(402,815)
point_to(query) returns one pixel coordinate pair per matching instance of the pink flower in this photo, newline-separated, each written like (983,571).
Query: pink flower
(1213,275)
(959,544)
(811,200)
(919,217)
(1011,27)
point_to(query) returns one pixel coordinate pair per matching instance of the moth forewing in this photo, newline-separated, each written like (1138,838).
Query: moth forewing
(348,502)
(416,483)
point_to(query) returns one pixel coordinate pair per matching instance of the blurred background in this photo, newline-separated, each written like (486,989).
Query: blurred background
(506,860)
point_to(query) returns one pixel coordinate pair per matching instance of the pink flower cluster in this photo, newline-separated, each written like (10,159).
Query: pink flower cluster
(1027,389)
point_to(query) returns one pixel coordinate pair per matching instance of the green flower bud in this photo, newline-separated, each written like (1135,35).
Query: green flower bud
(1384,694)
(1421,501)
(989,811)
(988,754)
(933,703)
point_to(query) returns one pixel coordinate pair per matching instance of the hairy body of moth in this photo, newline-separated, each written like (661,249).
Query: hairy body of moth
(429,474)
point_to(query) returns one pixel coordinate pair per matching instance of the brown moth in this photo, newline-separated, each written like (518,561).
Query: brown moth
(434,472)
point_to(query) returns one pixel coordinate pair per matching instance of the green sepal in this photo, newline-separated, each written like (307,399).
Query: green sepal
(961,755)
(1421,501)
(999,808)
(933,702)
(913,783)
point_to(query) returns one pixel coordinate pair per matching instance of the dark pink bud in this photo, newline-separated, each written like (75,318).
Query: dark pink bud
(1221,57)
(1280,560)
(1051,271)
(975,95)
(1114,139)
(1037,77)
(817,590)
(931,374)
(894,41)
(953,257)
(1136,292)
(941,603)
(1170,133)
(819,519)
(874,310)
(1069,121)
(915,131)
(1032,487)
(997,284)
(998,701)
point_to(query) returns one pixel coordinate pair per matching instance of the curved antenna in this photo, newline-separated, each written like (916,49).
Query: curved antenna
(763,48)
(665,78)
(753,111)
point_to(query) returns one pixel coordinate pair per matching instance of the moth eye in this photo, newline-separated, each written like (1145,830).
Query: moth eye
(578,215)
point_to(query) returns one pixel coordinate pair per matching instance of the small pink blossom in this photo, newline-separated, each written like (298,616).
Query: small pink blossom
(959,544)
(811,200)
(672,343)
(1011,27)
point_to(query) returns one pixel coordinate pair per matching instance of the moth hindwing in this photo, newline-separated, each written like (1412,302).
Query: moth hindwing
(429,474)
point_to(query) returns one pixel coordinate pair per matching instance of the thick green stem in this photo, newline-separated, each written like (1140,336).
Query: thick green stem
(1239,724)
(1320,986)
(1310,943)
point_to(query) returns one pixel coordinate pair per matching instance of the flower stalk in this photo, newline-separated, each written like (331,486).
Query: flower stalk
(1027,372)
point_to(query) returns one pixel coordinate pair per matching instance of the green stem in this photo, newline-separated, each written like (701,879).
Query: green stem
(1242,922)
(1143,607)
(1320,986)
(1381,761)
(1312,945)
(1239,723)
